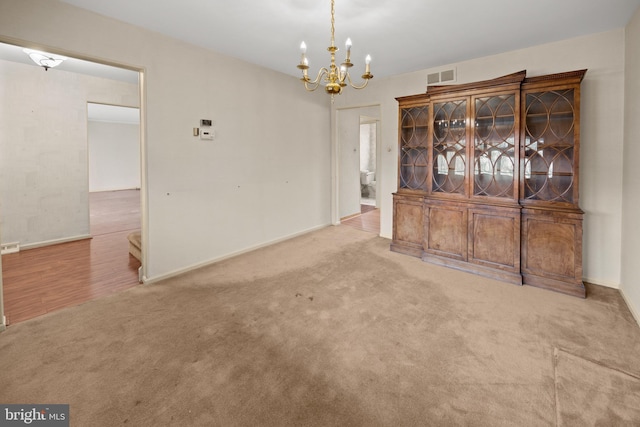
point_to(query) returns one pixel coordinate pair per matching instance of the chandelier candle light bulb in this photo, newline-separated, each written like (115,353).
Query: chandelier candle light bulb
(335,77)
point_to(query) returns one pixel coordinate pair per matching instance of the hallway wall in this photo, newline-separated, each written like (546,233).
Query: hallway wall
(44,152)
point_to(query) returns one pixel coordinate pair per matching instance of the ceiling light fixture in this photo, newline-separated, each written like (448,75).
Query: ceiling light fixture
(335,78)
(44,59)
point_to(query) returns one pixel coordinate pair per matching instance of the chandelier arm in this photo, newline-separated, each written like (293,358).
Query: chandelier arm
(321,72)
(362,86)
(312,85)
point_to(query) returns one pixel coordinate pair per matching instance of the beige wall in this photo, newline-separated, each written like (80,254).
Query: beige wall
(205,200)
(114,156)
(631,180)
(601,131)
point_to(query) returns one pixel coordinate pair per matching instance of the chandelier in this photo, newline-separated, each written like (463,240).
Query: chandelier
(335,77)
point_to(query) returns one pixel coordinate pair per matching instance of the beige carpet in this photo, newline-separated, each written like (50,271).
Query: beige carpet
(589,393)
(330,329)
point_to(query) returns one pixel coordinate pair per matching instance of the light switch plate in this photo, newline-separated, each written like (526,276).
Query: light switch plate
(206,134)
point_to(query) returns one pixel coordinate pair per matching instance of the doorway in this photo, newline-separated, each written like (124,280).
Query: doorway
(52,171)
(368,163)
(114,177)
(357,147)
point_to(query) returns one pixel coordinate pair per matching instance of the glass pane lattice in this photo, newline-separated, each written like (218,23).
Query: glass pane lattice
(549,146)
(494,143)
(413,148)
(449,146)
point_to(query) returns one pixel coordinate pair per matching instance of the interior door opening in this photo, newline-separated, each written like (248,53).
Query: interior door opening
(368,163)
(49,163)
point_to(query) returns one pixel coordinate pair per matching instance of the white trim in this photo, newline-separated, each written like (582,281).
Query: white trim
(632,308)
(147,280)
(605,283)
(3,325)
(55,242)
(144,186)
(111,190)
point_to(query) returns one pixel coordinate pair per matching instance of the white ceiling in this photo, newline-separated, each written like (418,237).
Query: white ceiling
(401,36)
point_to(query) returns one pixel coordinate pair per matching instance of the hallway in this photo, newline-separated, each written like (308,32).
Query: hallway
(368,220)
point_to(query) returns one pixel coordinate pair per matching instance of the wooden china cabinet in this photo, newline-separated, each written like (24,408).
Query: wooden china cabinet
(488,179)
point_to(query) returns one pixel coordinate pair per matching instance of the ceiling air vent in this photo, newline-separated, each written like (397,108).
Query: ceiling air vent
(445,76)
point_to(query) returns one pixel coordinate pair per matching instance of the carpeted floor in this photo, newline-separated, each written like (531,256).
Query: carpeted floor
(331,329)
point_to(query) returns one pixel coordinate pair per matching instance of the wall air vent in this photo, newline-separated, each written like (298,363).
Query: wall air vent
(444,76)
(9,248)
(433,78)
(447,76)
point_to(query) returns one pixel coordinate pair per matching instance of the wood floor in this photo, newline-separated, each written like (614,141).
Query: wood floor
(41,280)
(368,220)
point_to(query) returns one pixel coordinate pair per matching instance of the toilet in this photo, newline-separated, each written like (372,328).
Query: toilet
(368,184)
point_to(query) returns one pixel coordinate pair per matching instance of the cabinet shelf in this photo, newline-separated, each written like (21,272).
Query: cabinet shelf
(497,116)
(543,173)
(555,114)
(550,144)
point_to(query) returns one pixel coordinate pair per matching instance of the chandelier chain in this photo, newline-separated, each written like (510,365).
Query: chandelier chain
(333,23)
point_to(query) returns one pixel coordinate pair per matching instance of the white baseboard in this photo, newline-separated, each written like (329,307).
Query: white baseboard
(54,242)
(105,190)
(150,280)
(632,308)
(599,282)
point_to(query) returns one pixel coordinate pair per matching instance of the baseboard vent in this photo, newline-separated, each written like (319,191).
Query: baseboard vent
(9,248)
(444,76)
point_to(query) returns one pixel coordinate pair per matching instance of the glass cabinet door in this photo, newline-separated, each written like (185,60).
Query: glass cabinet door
(494,146)
(449,147)
(414,157)
(549,146)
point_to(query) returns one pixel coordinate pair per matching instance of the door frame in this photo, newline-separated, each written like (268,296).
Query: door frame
(144,213)
(335,155)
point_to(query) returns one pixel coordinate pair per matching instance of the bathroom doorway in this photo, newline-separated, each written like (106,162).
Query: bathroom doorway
(352,159)
(368,163)
(367,218)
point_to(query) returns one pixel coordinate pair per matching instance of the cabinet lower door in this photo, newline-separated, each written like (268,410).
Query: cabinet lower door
(445,228)
(552,250)
(494,242)
(407,224)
